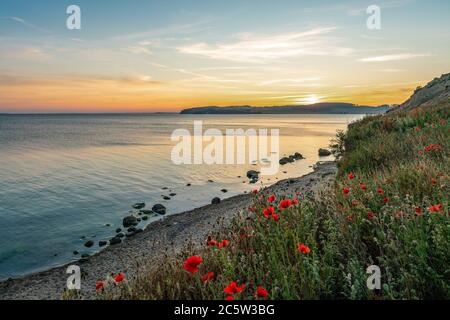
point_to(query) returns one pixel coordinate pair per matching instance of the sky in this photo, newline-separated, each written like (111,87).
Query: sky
(153,56)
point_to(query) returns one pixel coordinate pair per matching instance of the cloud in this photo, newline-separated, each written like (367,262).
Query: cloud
(393,57)
(254,48)
(137,50)
(290,81)
(27,24)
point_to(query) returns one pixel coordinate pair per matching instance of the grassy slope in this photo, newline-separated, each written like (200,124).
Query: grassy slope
(409,243)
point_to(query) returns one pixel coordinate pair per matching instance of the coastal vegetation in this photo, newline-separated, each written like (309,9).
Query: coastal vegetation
(388,207)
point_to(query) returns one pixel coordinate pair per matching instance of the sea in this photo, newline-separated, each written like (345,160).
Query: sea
(69,178)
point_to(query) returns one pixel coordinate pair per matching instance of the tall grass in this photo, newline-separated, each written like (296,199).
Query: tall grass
(391,211)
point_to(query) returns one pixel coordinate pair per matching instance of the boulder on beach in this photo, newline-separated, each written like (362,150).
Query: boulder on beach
(252,174)
(324,152)
(284,161)
(138,206)
(120,235)
(130,221)
(89,244)
(216,200)
(115,240)
(102,243)
(159,209)
(118,230)
(298,156)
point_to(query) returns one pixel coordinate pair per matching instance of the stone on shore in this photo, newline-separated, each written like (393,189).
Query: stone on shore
(139,206)
(159,209)
(115,240)
(102,243)
(89,244)
(216,200)
(130,221)
(324,152)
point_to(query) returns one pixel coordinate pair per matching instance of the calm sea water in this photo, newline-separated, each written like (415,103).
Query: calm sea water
(63,178)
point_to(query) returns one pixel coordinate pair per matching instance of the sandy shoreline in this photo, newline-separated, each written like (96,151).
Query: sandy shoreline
(168,234)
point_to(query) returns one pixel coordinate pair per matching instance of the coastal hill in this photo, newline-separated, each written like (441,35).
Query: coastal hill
(435,92)
(318,108)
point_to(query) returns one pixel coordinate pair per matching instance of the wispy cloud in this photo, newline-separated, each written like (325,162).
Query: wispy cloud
(27,24)
(394,57)
(290,81)
(254,48)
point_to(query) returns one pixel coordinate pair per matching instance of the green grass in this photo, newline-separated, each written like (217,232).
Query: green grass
(409,243)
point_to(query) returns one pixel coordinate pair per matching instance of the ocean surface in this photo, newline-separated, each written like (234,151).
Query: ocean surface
(66,179)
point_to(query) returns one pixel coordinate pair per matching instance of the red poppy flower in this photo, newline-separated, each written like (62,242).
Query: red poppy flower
(346,191)
(229,298)
(433,147)
(420,153)
(271,198)
(363,187)
(120,277)
(295,201)
(99,285)
(261,292)
(349,218)
(351,176)
(208,277)
(380,191)
(284,204)
(224,244)
(268,211)
(191,264)
(212,243)
(233,288)
(419,211)
(386,200)
(435,208)
(303,248)
(255,191)
(370,215)
(434,180)
(276,217)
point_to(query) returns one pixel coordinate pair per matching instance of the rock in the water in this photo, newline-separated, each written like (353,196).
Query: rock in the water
(84,256)
(75,252)
(132,229)
(252,175)
(164,188)
(146,211)
(89,244)
(284,161)
(120,235)
(130,221)
(139,206)
(102,243)
(188,185)
(224,190)
(159,209)
(298,156)
(145,218)
(118,230)
(216,200)
(172,194)
(166,198)
(324,152)
(115,240)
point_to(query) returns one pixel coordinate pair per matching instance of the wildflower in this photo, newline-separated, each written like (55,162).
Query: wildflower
(99,285)
(386,200)
(233,288)
(303,248)
(268,211)
(433,147)
(380,191)
(419,211)
(349,218)
(191,264)
(223,244)
(271,198)
(435,208)
(285,204)
(261,292)
(370,215)
(295,201)
(255,191)
(420,153)
(351,176)
(434,180)
(229,298)
(355,202)
(119,278)
(346,191)
(276,217)
(362,186)
(208,277)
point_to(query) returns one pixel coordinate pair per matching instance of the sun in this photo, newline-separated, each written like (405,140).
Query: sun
(312,99)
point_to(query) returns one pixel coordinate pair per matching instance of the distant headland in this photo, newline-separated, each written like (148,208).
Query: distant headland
(318,108)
